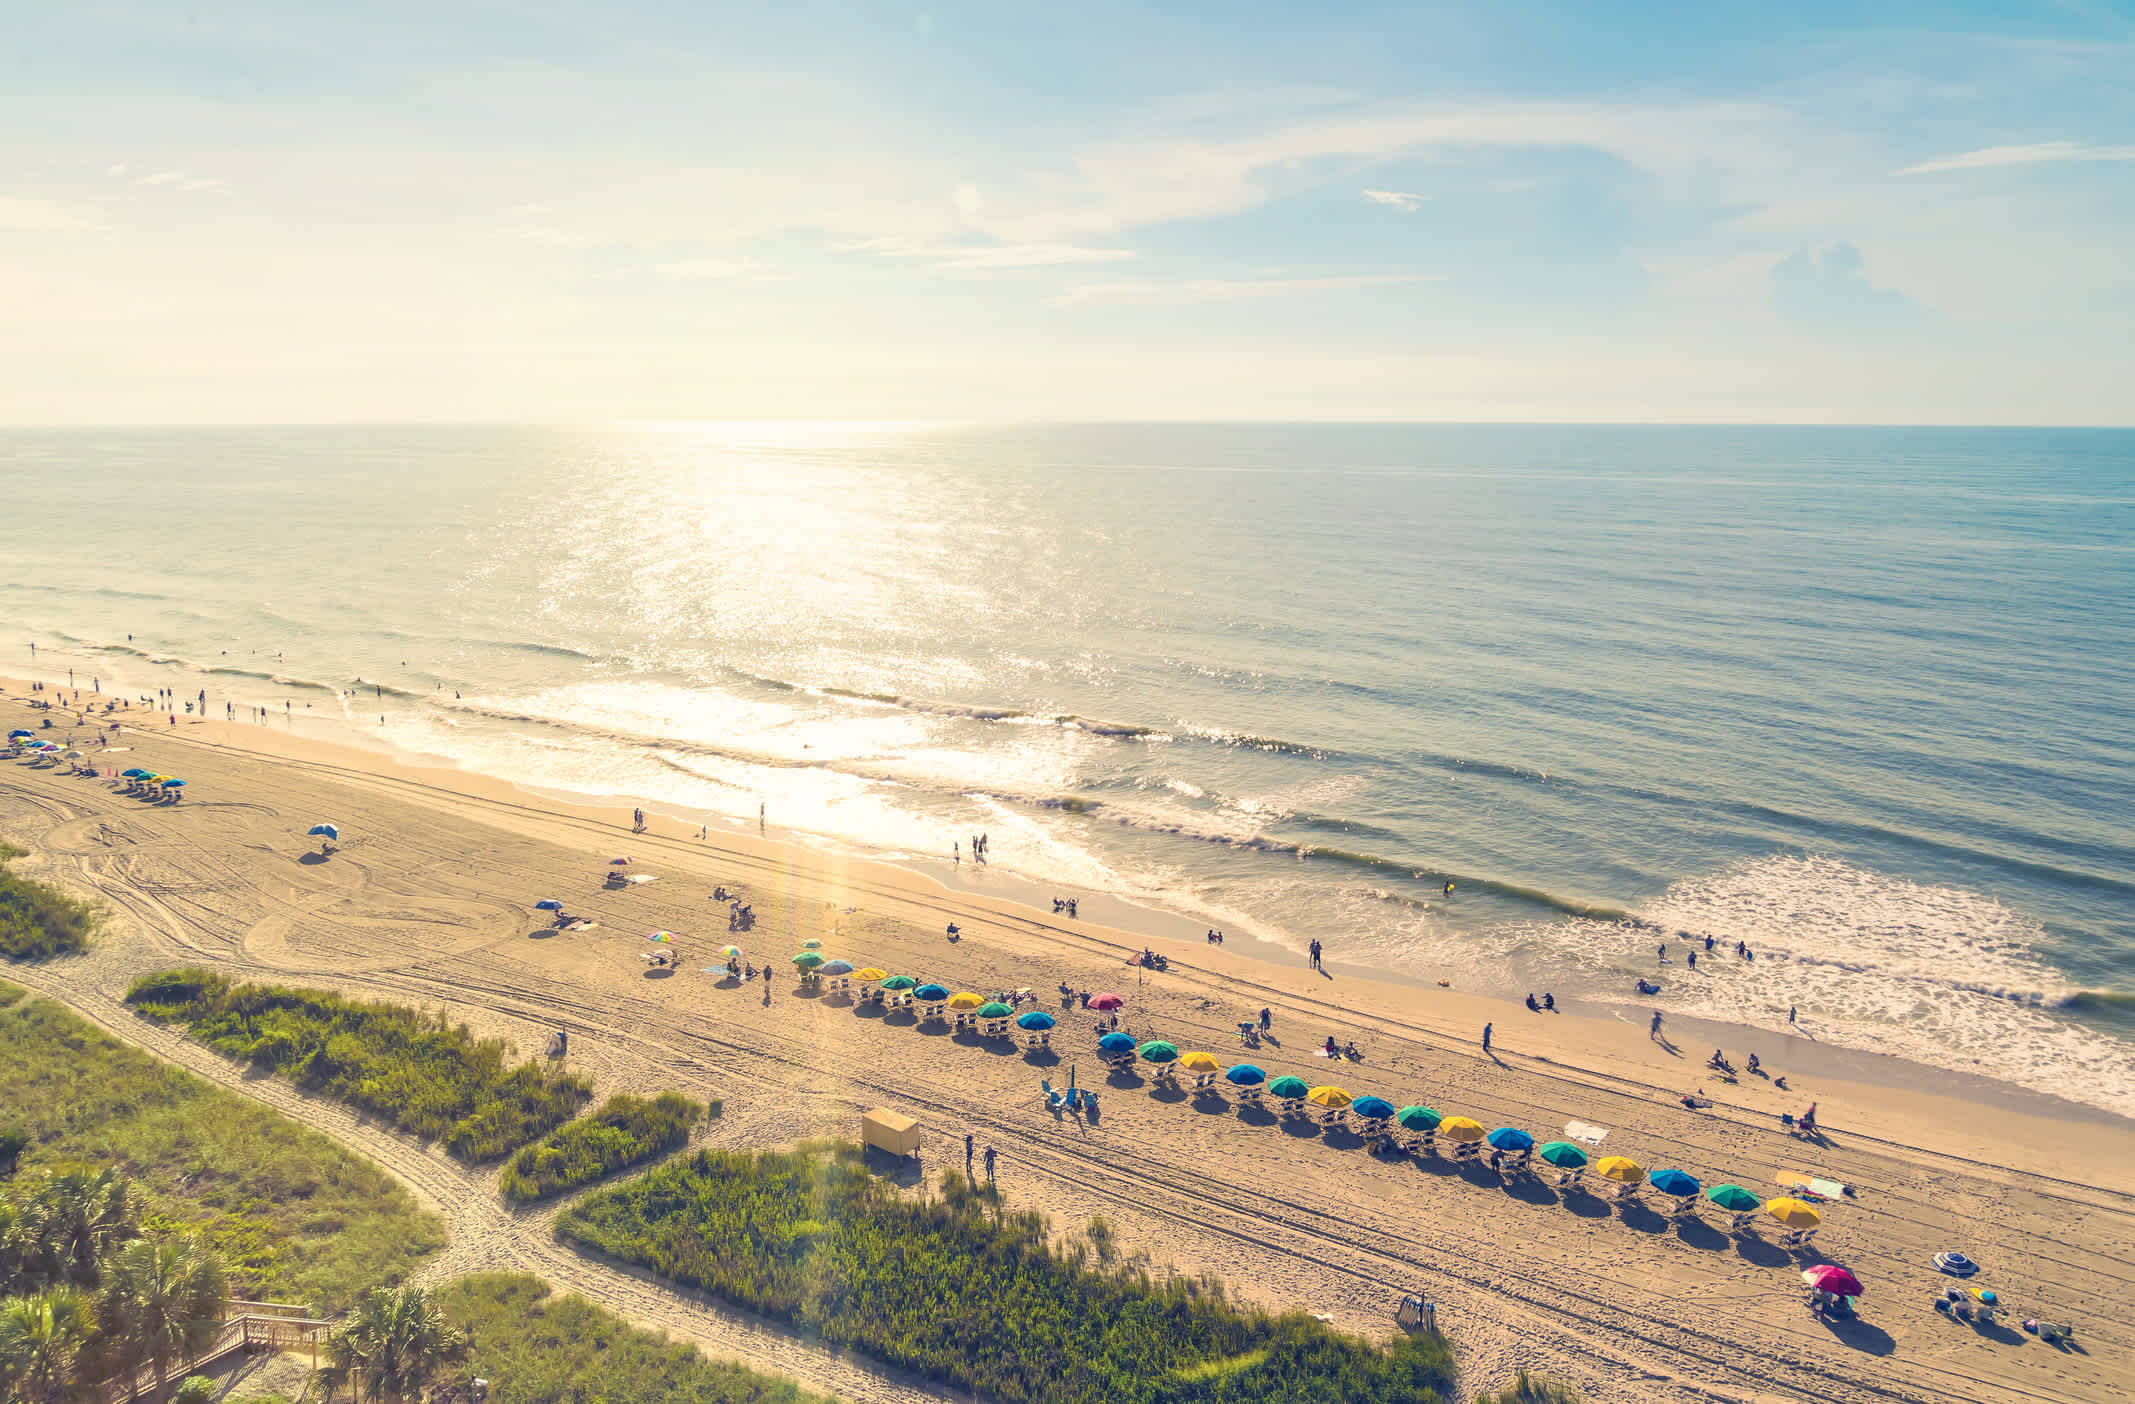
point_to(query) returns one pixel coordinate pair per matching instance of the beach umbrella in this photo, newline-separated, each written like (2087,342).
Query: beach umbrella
(325,831)
(731,952)
(900,982)
(965,999)
(928,994)
(548,904)
(1199,1062)
(811,944)
(1373,1108)
(1287,1088)
(1418,1118)
(1107,1001)
(1245,1075)
(1158,1051)
(174,784)
(1620,1168)
(617,862)
(1329,1097)
(1793,1213)
(994,1009)
(838,967)
(1462,1129)
(664,937)
(1733,1198)
(19,732)
(1564,1155)
(1116,1043)
(1510,1138)
(808,960)
(136,773)
(1674,1182)
(869,972)
(1035,1020)
(1830,1277)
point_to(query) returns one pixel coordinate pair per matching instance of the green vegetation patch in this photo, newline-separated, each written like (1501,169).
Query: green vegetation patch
(535,1348)
(960,1290)
(294,1216)
(392,1060)
(38,920)
(626,1131)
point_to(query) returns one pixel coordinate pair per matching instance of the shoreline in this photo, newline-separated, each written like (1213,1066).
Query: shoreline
(1849,1085)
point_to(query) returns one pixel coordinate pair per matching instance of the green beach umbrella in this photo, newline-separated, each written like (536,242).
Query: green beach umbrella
(899,982)
(995,1010)
(1564,1155)
(1285,1088)
(1418,1118)
(1158,1051)
(1733,1198)
(808,960)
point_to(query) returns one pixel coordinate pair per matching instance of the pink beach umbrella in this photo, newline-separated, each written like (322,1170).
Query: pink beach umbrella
(1107,1001)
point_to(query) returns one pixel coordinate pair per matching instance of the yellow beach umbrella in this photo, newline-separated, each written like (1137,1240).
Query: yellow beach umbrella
(1199,1062)
(1793,1213)
(870,973)
(1462,1129)
(964,999)
(1620,1168)
(1329,1097)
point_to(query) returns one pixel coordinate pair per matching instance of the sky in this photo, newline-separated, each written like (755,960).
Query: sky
(538,211)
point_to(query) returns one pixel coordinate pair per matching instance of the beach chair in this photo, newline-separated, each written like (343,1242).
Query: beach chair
(994,1028)
(1291,1106)
(1034,1039)
(1249,1096)
(1569,1179)
(1685,1208)
(1331,1117)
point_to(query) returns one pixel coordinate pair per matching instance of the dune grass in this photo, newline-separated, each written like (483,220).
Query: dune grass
(625,1131)
(394,1061)
(534,1348)
(961,1290)
(293,1215)
(38,920)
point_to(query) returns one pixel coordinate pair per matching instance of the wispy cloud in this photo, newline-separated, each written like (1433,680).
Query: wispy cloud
(30,213)
(2030,155)
(707,269)
(163,178)
(1033,255)
(1229,289)
(220,187)
(118,169)
(1399,199)
(556,237)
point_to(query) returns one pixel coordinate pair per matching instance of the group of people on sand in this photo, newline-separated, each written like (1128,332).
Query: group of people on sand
(1215,937)
(1548,1004)
(1064,904)
(978,850)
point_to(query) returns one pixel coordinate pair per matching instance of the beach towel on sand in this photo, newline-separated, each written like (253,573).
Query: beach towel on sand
(1802,1179)
(1580,1131)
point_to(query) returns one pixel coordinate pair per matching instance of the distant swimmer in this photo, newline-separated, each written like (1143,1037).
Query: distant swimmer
(1449,887)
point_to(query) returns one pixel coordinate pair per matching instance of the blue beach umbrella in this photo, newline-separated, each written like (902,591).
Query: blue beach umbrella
(1034,1020)
(1673,1182)
(1116,1043)
(548,904)
(1371,1108)
(325,831)
(837,967)
(1244,1075)
(18,731)
(136,773)
(174,784)
(1510,1138)
(930,994)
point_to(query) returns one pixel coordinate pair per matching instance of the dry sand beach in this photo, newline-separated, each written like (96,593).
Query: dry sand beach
(430,899)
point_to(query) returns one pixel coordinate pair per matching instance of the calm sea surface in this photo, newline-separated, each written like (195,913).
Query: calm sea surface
(1860,698)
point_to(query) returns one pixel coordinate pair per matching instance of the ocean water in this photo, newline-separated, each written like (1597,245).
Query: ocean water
(1859,698)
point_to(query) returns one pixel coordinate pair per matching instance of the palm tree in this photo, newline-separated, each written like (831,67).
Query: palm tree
(392,1344)
(40,1338)
(84,1216)
(162,1301)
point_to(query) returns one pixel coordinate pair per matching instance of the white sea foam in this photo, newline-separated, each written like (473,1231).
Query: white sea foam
(1939,975)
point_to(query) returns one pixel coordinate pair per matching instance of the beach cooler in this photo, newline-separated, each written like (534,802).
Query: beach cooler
(890,1132)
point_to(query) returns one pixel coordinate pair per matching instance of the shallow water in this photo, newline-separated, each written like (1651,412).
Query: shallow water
(1858,698)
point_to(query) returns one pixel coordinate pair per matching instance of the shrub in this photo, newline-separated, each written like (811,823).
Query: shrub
(536,1348)
(960,1290)
(624,1132)
(12,1142)
(38,920)
(395,1061)
(293,1215)
(196,1389)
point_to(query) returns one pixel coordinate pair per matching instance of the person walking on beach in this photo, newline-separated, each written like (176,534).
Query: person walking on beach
(969,1142)
(1708,941)
(989,1164)
(1266,1019)
(637,818)
(563,1043)
(1655,1030)
(1693,960)
(1486,1038)
(1790,1013)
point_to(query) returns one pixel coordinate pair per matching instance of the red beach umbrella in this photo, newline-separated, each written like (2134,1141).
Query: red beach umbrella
(1830,1277)
(1107,1001)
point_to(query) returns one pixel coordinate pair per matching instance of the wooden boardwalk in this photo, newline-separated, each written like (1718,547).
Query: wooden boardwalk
(246,1326)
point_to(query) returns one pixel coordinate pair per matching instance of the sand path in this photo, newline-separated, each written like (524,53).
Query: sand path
(430,901)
